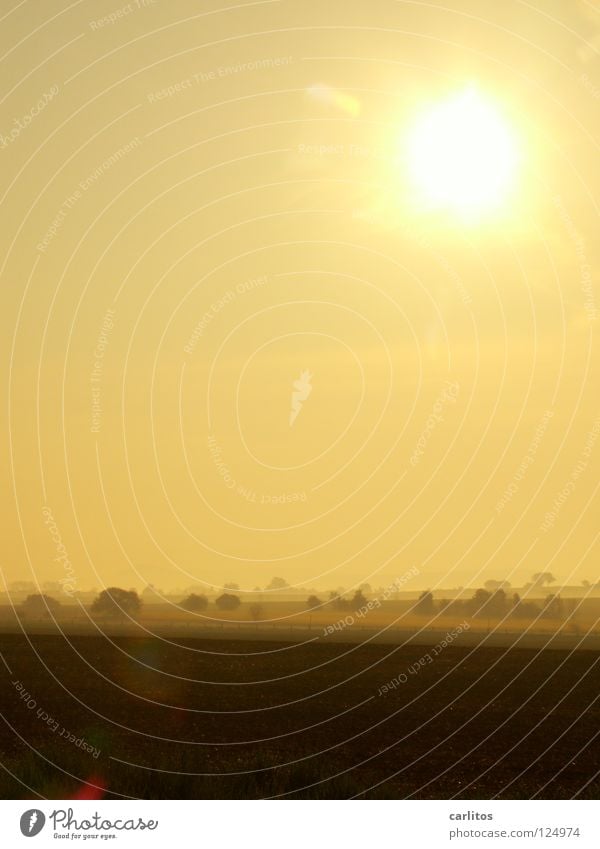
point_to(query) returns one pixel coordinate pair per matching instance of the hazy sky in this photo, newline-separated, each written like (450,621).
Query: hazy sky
(219,294)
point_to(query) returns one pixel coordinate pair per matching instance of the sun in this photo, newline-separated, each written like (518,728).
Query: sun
(462,156)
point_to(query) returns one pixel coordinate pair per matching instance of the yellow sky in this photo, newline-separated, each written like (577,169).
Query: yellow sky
(207,224)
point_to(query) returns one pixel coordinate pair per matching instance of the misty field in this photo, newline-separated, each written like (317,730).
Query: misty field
(147,718)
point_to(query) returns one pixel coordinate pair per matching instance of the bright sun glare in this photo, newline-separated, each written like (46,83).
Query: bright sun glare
(462,156)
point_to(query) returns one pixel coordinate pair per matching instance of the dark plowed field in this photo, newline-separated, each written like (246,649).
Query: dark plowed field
(242,719)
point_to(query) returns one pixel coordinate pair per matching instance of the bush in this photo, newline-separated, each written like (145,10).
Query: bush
(117,602)
(337,602)
(41,606)
(227,601)
(277,584)
(195,602)
(358,600)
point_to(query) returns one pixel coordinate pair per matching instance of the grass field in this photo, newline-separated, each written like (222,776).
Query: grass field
(191,718)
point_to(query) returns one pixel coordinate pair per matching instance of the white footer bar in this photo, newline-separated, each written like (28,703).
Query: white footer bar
(302,824)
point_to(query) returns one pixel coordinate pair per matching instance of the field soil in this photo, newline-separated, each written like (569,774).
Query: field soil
(119,717)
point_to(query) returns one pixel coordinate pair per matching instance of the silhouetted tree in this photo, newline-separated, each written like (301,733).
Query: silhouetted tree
(476,606)
(40,605)
(553,607)
(336,601)
(540,579)
(497,604)
(151,595)
(497,585)
(195,602)
(523,609)
(313,601)
(117,602)
(358,600)
(228,602)
(256,610)
(277,584)
(424,604)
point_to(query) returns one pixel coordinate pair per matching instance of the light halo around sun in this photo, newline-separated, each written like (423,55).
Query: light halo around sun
(462,156)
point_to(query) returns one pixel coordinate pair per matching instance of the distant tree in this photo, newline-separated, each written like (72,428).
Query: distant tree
(277,584)
(497,604)
(366,588)
(540,579)
(477,606)
(485,603)
(256,611)
(195,602)
(553,607)
(523,609)
(337,601)
(234,587)
(497,585)
(151,595)
(424,604)
(313,601)
(358,600)
(228,602)
(117,602)
(40,606)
